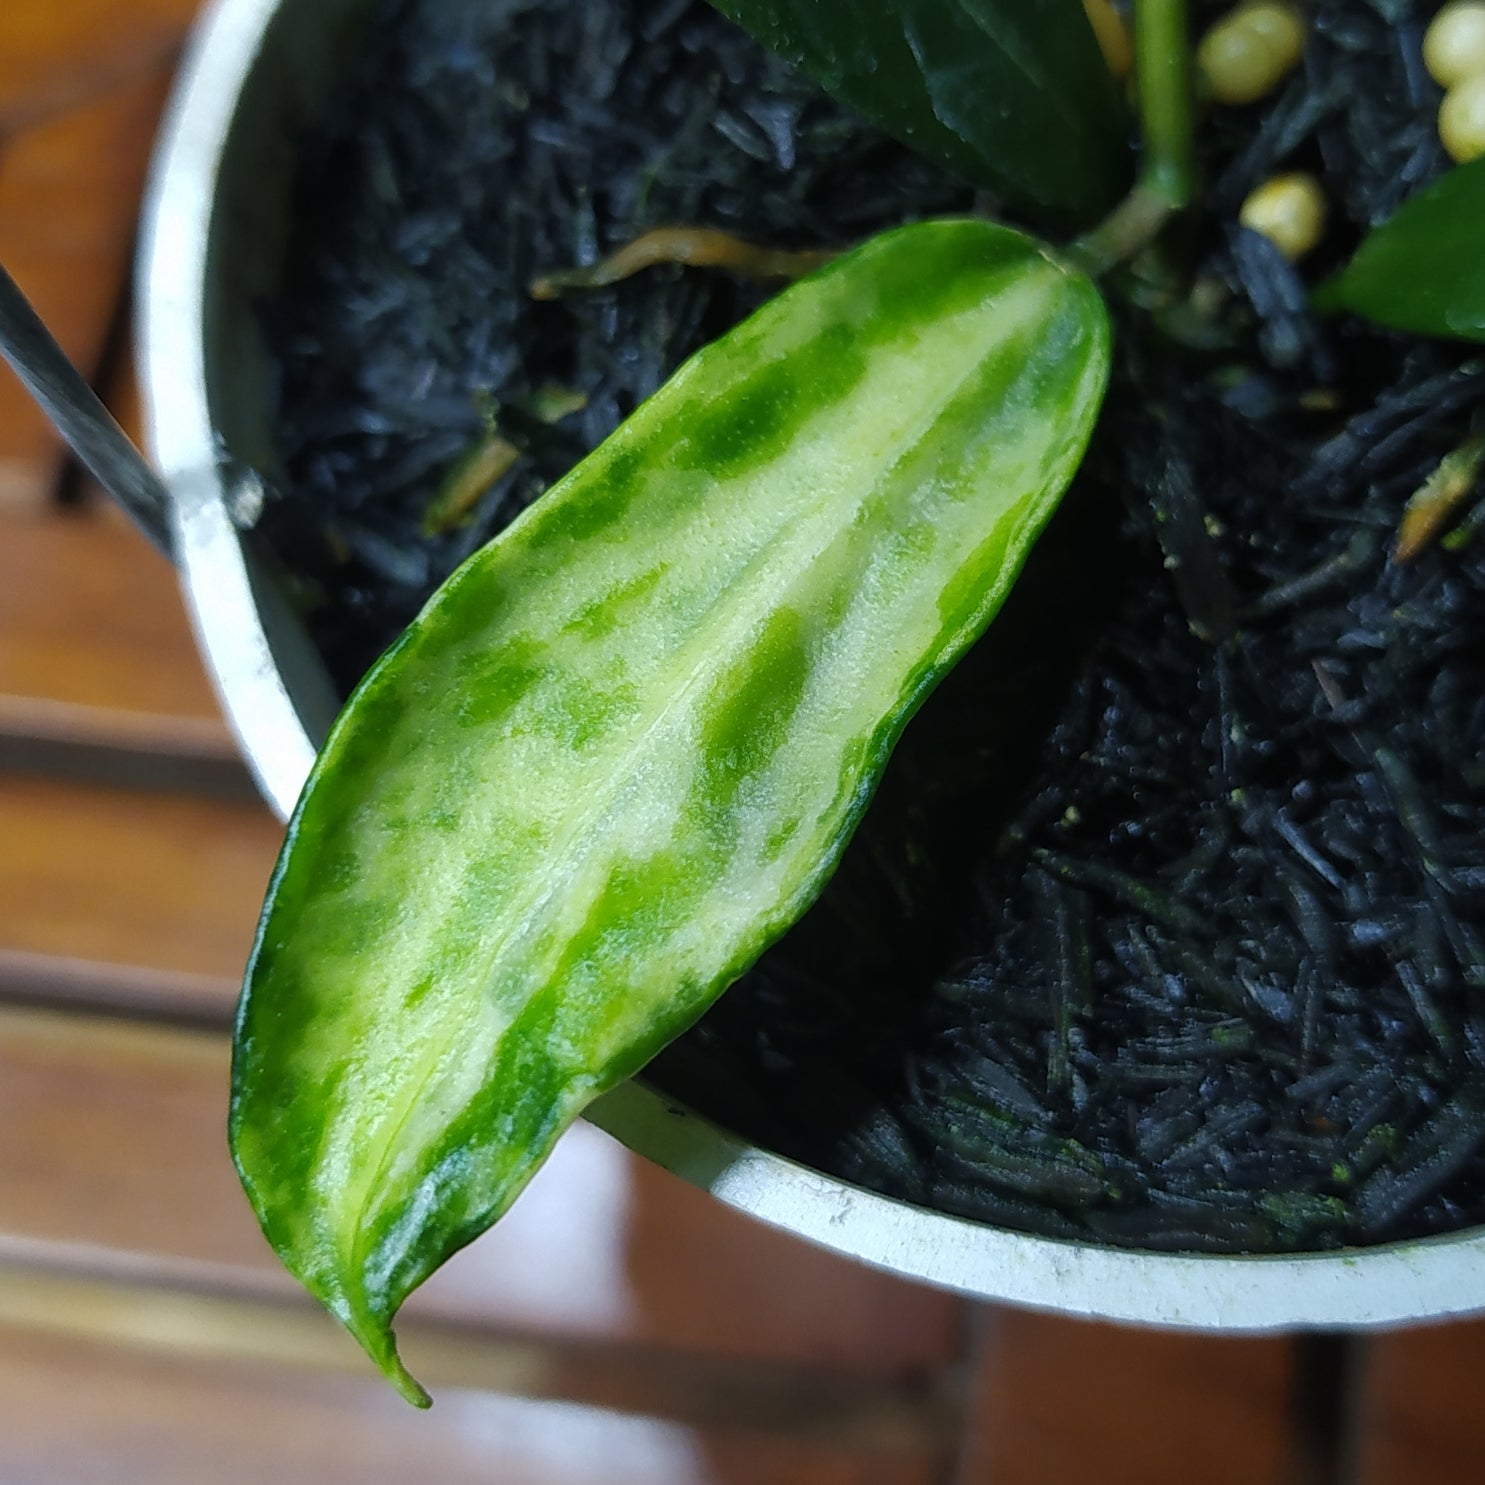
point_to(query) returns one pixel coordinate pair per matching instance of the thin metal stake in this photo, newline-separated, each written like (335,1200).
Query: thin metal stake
(63,394)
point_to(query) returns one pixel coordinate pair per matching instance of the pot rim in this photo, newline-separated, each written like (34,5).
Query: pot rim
(276,705)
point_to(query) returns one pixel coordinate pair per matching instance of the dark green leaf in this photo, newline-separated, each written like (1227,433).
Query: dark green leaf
(1013,94)
(1423,269)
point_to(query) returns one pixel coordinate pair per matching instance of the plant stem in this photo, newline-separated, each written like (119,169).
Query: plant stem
(1167,179)
(1133,224)
(1162,52)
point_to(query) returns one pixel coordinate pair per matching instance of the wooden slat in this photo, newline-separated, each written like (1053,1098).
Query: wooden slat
(131,878)
(211,1324)
(1418,1418)
(178,998)
(107,746)
(41,722)
(1066,1400)
(69,196)
(57,56)
(113,1139)
(90,615)
(702,1276)
(72,1413)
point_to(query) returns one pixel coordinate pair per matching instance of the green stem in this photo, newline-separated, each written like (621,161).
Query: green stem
(1133,224)
(1162,60)
(1167,179)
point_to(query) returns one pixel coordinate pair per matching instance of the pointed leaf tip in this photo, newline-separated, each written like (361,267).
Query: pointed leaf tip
(1422,270)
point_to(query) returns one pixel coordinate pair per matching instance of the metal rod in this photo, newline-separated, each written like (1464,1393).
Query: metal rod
(73,407)
(1325,1404)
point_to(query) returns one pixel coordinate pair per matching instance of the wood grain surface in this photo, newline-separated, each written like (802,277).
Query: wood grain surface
(69,194)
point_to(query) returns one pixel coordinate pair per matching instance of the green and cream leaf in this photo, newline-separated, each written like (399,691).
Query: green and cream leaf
(623,747)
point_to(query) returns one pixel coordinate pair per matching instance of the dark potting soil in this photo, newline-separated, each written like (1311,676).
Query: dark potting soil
(1165,928)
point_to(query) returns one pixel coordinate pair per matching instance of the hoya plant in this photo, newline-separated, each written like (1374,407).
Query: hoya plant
(624,746)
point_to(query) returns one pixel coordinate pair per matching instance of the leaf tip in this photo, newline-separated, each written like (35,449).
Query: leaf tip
(379,1343)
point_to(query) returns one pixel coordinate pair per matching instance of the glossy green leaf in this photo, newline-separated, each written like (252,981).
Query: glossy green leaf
(623,747)
(1423,269)
(1012,94)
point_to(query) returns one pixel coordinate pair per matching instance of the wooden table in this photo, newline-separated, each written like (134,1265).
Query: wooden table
(618,1326)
